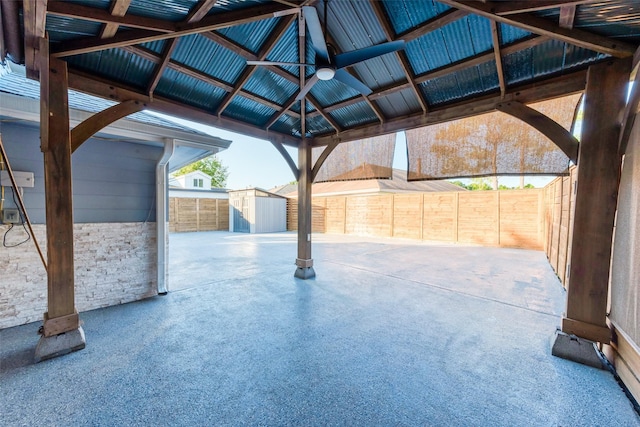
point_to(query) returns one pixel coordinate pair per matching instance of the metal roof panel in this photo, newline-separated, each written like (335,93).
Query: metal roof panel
(187,89)
(270,86)
(250,35)
(62,29)
(353,115)
(247,110)
(407,14)
(203,54)
(399,103)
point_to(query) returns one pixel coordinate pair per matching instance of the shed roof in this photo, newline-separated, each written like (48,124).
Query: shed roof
(189,58)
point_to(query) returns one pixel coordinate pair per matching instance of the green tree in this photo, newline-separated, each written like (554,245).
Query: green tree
(212,166)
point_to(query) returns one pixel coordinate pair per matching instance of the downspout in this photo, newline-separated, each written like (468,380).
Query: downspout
(162,217)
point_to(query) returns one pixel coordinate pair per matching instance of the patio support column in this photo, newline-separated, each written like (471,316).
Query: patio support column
(304,263)
(599,163)
(61,331)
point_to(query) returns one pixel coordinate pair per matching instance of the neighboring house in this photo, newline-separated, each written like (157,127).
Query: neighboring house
(119,192)
(398,184)
(197,180)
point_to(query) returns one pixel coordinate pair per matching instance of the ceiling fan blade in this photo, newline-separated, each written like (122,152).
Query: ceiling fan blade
(349,58)
(346,78)
(307,87)
(315,30)
(282,64)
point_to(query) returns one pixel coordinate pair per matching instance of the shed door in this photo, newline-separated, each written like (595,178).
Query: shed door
(241,215)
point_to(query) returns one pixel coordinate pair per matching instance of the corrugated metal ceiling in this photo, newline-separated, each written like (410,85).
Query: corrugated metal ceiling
(203,70)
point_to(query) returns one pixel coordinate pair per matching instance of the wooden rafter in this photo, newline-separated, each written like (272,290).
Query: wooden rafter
(152,56)
(117,8)
(512,7)
(200,10)
(209,23)
(555,87)
(480,59)
(267,46)
(460,65)
(550,29)
(496,48)
(281,111)
(162,65)
(402,57)
(115,91)
(433,24)
(375,109)
(567,16)
(230,45)
(323,113)
(87,13)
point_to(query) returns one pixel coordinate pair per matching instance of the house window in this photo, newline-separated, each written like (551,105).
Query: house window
(198,183)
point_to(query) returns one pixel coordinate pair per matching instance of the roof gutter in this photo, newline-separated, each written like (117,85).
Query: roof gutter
(10,26)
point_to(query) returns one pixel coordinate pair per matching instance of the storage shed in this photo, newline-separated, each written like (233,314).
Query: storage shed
(254,210)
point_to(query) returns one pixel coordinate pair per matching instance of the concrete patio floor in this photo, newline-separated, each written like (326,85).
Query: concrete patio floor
(391,332)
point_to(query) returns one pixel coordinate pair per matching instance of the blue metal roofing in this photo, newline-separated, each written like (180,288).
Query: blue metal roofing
(202,70)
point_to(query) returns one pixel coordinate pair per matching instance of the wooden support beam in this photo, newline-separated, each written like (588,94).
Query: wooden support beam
(275,116)
(164,61)
(545,125)
(34,16)
(58,199)
(513,7)
(200,10)
(323,113)
(151,56)
(93,14)
(525,94)
(285,154)
(496,48)
(134,37)
(117,8)
(545,27)
(323,157)
(433,24)
(480,59)
(117,92)
(631,110)
(386,26)
(104,118)
(304,262)
(567,16)
(599,164)
(269,44)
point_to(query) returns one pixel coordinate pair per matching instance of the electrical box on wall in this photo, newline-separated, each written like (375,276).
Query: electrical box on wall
(23,179)
(10,216)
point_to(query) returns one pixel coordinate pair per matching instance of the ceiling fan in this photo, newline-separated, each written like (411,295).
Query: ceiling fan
(330,65)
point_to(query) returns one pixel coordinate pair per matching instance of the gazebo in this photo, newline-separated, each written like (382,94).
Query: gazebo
(317,74)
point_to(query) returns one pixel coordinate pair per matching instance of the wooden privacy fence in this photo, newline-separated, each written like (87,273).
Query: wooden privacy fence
(559,196)
(511,218)
(191,214)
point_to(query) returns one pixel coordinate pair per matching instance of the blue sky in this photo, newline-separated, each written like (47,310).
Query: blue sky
(255,162)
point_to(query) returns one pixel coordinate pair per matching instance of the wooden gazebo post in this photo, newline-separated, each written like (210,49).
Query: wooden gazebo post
(61,331)
(304,262)
(599,163)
